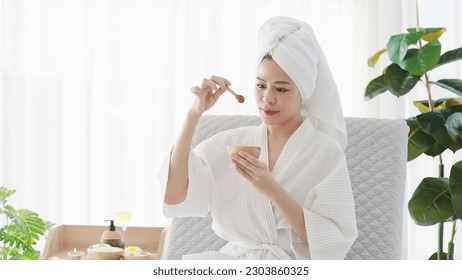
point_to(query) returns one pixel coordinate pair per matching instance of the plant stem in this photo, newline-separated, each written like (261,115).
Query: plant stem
(440,157)
(450,255)
(441,169)
(440,224)
(417,28)
(440,240)
(429,92)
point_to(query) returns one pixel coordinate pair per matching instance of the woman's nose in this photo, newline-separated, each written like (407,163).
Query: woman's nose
(269,97)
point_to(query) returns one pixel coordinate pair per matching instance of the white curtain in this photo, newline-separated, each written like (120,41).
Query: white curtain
(93,92)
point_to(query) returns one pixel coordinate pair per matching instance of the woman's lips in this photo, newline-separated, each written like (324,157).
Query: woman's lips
(270,112)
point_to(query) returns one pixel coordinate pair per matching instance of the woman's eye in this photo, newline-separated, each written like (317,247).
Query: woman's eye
(281,90)
(260,86)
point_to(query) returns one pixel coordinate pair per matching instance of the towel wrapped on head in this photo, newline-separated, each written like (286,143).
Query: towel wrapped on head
(294,47)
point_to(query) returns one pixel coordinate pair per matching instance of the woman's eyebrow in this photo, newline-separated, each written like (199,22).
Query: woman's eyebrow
(277,82)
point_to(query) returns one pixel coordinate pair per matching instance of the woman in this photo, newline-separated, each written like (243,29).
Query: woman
(293,202)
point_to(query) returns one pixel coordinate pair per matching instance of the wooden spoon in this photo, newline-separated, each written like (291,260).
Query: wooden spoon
(239,97)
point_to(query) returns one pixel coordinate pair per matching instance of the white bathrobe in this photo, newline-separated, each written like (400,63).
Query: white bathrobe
(311,168)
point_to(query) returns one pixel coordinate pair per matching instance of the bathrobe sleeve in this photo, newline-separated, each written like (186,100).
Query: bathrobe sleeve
(201,181)
(329,213)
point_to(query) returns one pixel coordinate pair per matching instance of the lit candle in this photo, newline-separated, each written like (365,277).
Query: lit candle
(75,255)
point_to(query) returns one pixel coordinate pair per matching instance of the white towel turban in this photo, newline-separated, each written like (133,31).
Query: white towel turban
(294,47)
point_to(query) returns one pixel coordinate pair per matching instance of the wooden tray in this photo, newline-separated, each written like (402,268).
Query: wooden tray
(62,239)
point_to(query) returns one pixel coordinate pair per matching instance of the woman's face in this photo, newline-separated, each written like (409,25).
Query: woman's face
(277,97)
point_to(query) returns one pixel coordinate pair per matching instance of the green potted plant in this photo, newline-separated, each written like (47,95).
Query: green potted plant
(438,127)
(22,229)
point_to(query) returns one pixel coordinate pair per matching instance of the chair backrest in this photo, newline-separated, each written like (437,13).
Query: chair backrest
(376,157)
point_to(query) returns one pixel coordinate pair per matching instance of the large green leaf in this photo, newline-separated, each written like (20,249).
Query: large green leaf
(424,60)
(372,61)
(434,256)
(455,187)
(438,104)
(17,238)
(24,231)
(453,85)
(398,81)
(430,33)
(454,126)
(450,56)
(375,87)
(31,224)
(21,232)
(451,110)
(431,202)
(451,102)
(434,123)
(419,141)
(435,150)
(398,44)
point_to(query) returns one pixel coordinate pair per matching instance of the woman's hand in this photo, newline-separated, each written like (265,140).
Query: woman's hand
(208,93)
(257,173)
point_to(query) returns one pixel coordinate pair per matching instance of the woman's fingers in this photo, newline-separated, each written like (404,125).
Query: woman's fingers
(256,172)
(250,158)
(241,164)
(196,90)
(209,92)
(246,161)
(214,82)
(222,82)
(208,85)
(244,173)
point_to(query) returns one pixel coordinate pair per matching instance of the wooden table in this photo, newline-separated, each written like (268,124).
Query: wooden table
(62,239)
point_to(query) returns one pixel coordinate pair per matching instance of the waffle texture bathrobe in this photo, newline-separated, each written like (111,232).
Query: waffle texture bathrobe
(311,168)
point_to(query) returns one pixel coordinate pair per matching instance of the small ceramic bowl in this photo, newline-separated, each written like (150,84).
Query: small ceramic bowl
(104,252)
(251,150)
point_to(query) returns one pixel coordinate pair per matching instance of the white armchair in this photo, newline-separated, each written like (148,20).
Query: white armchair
(376,157)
